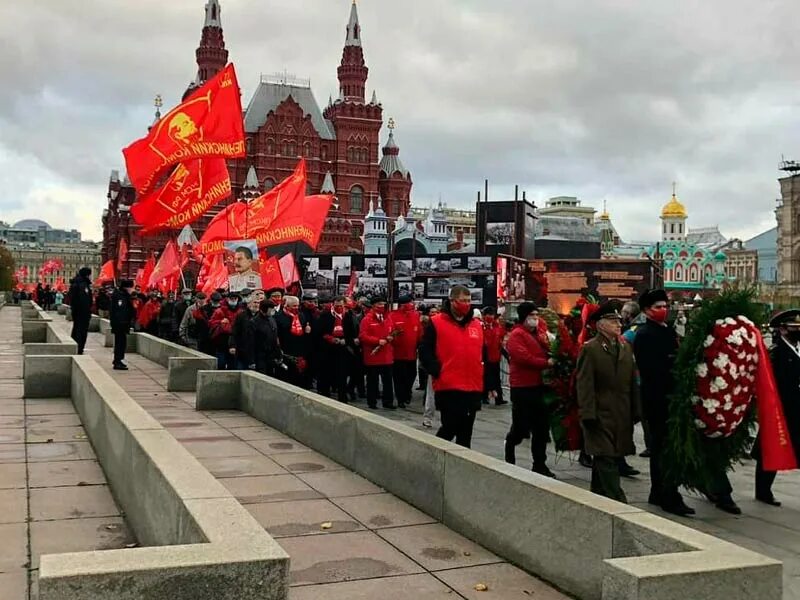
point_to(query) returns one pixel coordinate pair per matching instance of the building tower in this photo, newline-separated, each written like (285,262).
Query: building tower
(376,230)
(394,180)
(353,71)
(673,220)
(606,234)
(787,214)
(211,54)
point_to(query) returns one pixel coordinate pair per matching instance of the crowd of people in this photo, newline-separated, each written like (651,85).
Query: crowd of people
(360,348)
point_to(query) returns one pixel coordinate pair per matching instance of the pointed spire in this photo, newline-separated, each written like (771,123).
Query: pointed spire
(374,101)
(213,14)
(353,28)
(327,184)
(251,181)
(371,211)
(330,100)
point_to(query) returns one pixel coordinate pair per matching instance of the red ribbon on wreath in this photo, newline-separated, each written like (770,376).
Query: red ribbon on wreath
(777,452)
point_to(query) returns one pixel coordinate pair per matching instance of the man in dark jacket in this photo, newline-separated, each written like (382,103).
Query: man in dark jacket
(202,317)
(122,317)
(263,340)
(452,353)
(221,327)
(80,297)
(181,305)
(529,355)
(655,346)
(785,355)
(608,400)
(240,341)
(165,317)
(294,342)
(352,325)
(334,364)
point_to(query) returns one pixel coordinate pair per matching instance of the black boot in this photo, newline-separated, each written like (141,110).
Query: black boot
(585,460)
(511,457)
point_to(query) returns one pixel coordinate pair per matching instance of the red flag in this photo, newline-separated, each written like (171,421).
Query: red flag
(168,266)
(214,274)
(289,270)
(271,276)
(305,225)
(143,275)
(243,220)
(208,123)
(777,452)
(122,257)
(60,286)
(351,288)
(192,188)
(106,273)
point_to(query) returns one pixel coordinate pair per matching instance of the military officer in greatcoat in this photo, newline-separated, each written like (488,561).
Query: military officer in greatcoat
(785,357)
(608,399)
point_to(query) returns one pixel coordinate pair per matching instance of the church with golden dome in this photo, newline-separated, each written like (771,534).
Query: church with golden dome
(691,259)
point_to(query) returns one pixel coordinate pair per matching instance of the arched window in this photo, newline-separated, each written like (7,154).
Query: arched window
(324,153)
(307,150)
(292,149)
(351,155)
(678,272)
(270,146)
(672,227)
(665,228)
(356,199)
(680,227)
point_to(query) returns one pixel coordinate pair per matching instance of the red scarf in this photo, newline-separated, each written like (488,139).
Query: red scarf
(297,327)
(338,330)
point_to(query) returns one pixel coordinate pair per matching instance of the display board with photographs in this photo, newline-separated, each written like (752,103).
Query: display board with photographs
(427,278)
(500,234)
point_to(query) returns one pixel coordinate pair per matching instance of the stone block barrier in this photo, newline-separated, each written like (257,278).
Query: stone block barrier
(589,546)
(196,540)
(182,363)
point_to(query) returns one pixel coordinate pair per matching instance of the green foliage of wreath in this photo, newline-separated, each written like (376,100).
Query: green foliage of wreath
(691,458)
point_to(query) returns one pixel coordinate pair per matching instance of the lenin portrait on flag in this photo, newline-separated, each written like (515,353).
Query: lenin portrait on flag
(243,254)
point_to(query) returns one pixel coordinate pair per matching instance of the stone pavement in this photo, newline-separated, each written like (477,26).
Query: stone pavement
(347,538)
(53,494)
(774,532)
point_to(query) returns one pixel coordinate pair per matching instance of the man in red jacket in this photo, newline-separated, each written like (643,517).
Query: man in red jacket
(376,333)
(493,334)
(528,350)
(221,324)
(406,321)
(452,352)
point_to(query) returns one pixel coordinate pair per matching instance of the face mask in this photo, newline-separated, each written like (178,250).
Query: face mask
(460,307)
(488,319)
(233,303)
(215,305)
(793,336)
(532,323)
(659,315)
(292,310)
(187,297)
(379,310)
(339,310)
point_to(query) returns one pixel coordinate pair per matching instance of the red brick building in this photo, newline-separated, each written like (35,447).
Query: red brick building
(282,122)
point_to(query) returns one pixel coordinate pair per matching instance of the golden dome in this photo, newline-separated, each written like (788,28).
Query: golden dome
(673,208)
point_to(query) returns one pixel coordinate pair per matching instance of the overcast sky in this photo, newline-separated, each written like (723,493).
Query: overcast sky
(609,99)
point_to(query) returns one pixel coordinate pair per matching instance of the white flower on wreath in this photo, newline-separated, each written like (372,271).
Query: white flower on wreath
(720,418)
(699,424)
(730,321)
(734,338)
(742,355)
(695,400)
(737,390)
(701,369)
(733,372)
(745,320)
(727,406)
(721,361)
(710,405)
(715,434)
(708,341)
(754,359)
(719,322)
(718,384)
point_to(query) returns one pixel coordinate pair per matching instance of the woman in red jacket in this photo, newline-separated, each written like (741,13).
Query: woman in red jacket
(528,351)
(493,334)
(376,334)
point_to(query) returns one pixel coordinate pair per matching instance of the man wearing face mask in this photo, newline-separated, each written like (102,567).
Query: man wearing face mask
(407,322)
(221,325)
(192,322)
(294,343)
(452,352)
(655,346)
(493,335)
(240,341)
(785,355)
(181,308)
(333,355)
(529,355)
(376,334)
(352,324)
(608,400)
(121,316)
(263,340)
(276,296)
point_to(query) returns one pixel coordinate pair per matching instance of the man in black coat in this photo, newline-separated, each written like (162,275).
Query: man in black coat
(333,352)
(122,317)
(80,298)
(241,339)
(655,347)
(294,342)
(181,305)
(785,355)
(262,341)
